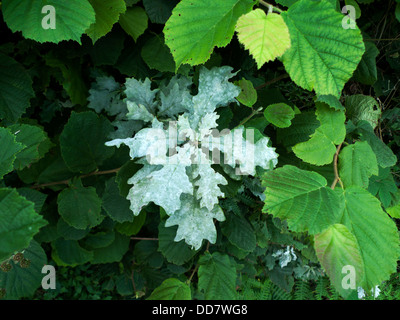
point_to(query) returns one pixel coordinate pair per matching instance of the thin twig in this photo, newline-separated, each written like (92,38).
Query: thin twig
(283,76)
(335,169)
(95,173)
(139,238)
(268,5)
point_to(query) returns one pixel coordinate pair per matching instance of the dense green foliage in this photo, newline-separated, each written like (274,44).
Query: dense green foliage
(112,169)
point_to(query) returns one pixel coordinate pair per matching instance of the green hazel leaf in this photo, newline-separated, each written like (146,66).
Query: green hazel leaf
(336,247)
(70,253)
(265,36)
(71,19)
(36,144)
(394,210)
(360,107)
(196,27)
(331,101)
(383,186)
(175,252)
(112,253)
(217,276)
(157,55)
(23,282)
(303,125)
(18,222)
(248,95)
(134,21)
(366,72)
(132,228)
(376,233)
(34,196)
(107,14)
(72,81)
(357,163)
(9,148)
(80,206)
(279,114)
(385,156)
(239,232)
(99,240)
(15,88)
(159,11)
(83,140)
(321,147)
(70,233)
(171,289)
(302,198)
(115,205)
(323,55)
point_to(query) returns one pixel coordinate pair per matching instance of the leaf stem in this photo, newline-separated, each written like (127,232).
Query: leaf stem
(269,6)
(255,112)
(335,169)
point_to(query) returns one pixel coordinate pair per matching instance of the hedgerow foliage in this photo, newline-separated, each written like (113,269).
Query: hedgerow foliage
(199,149)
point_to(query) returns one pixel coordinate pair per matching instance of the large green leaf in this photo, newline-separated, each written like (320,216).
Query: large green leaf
(18,222)
(357,163)
(323,55)
(336,247)
(302,198)
(9,147)
(23,282)
(196,27)
(72,18)
(321,147)
(15,88)
(82,141)
(239,232)
(107,13)
(171,289)
(265,36)
(376,234)
(70,253)
(217,276)
(80,206)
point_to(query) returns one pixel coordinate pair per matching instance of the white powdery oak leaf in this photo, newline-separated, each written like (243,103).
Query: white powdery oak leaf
(177,174)
(194,223)
(162,186)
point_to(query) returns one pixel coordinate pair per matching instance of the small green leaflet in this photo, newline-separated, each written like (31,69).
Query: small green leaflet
(323,55)
(196,27)
(279,114)
(265,36)
(361,107)
(321,147)
(248,95)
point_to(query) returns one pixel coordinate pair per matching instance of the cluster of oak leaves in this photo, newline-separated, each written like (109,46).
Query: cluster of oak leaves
(175,147)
